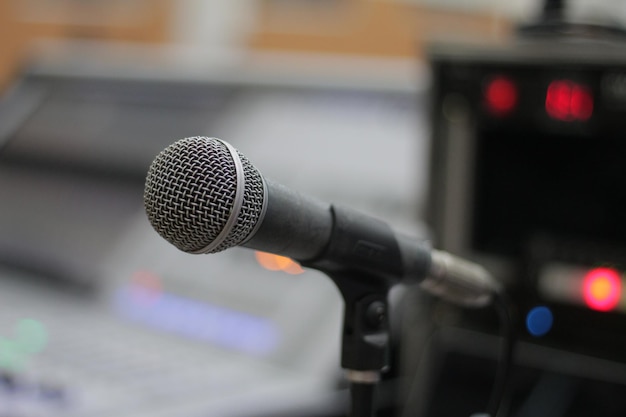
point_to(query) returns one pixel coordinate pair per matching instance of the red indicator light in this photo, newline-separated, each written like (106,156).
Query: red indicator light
(501,96)
(569,101)
(602,289)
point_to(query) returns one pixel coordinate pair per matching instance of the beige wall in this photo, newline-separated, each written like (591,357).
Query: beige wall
(370,27)
(388,28)
(10,44)
(25,21)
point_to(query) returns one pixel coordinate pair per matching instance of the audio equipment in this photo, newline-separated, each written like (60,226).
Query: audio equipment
(526,178)
(527,149)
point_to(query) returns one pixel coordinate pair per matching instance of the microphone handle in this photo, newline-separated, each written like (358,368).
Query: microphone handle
(294,225)
(337,239)
(333,238)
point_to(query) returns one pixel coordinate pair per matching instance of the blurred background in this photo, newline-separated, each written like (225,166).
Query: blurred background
(492,129)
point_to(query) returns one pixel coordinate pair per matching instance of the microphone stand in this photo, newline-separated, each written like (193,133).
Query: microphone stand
(364,260)
(365,337)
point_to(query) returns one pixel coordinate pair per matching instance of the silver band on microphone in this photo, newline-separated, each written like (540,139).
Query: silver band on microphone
(363,377)
(237,203)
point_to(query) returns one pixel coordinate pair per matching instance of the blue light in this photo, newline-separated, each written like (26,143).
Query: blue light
(539,321)
(201,321)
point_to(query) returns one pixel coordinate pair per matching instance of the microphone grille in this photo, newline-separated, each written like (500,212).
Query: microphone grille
(203,196)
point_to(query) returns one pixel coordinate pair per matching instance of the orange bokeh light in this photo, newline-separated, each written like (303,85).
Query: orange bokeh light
(273,262)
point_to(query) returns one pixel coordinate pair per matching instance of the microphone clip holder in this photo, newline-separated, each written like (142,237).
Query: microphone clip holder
(364,261)
(365,337)
(365,334)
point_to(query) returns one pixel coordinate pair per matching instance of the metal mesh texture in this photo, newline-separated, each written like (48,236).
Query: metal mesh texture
(190,193)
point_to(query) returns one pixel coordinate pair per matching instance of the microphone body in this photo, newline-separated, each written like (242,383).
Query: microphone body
(335,238)
(203,196)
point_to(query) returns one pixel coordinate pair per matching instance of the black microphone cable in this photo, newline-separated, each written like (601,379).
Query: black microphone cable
(507,320)
(506,338)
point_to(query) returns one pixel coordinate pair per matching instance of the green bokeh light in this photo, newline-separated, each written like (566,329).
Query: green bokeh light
(12,358)
(30,337)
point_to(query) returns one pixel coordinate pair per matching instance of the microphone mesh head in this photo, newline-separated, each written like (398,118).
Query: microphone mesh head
(190,193)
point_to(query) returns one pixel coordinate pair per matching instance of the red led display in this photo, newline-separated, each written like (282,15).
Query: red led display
(500,96)
(569,101)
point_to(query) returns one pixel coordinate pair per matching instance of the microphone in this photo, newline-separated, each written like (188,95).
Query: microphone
(203,196)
